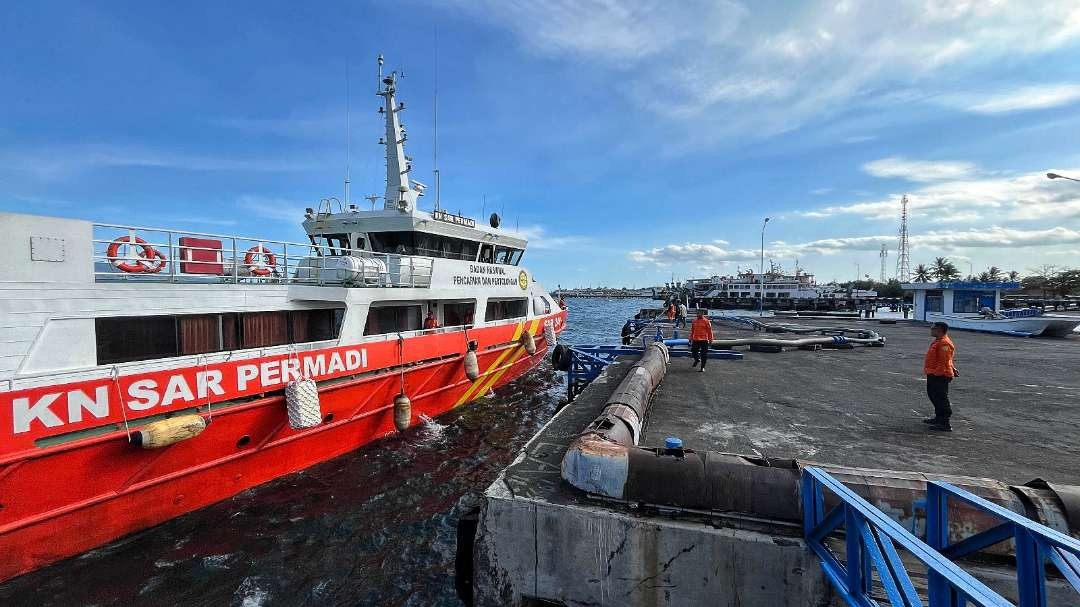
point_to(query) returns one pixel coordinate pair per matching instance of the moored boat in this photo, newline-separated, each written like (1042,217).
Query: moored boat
(147,372)
(976,306)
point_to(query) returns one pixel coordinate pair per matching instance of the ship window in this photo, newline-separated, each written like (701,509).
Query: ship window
(504,309)
(392,319)
(487,254)
(401,243)
(458,314)
(262,329)
(129,339)
(507,256)
(122,340)
(541,306)
(314,325)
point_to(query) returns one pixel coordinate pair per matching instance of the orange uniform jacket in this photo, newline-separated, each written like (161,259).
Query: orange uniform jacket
(701,330)
(939,358)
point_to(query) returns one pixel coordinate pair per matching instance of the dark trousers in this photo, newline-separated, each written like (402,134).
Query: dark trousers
(699,349)
(937,388)
(681,320)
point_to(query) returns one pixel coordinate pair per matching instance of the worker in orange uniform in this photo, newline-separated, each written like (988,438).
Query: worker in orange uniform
(670,312)
(939,370)
(700,337)
(430,322)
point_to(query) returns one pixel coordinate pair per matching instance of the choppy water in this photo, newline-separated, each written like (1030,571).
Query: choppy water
(374,527)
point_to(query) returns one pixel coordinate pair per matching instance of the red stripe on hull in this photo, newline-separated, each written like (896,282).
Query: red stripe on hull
(68,499)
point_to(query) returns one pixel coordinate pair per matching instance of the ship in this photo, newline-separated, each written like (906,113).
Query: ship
(744,290)
(148,372)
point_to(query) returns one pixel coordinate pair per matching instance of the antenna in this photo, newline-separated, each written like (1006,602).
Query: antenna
(348,134)
(435,147)
(884,254)
(372,198)
(903,262)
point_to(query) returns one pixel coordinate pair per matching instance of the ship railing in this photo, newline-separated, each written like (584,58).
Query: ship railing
(146,254)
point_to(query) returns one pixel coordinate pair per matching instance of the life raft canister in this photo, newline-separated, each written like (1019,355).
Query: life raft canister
(147,260)
(260,260)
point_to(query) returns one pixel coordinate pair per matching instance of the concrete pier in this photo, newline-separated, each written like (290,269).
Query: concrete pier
(541,542)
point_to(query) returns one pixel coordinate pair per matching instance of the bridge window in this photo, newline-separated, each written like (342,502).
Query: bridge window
(507,256)
(506,308)
(393,319)
(541,305)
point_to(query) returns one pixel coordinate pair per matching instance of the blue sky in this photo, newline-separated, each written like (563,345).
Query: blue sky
(630,140)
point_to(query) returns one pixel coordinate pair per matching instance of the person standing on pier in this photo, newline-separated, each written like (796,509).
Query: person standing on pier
(680,315)
(670,312)
(940,371)
(700,336)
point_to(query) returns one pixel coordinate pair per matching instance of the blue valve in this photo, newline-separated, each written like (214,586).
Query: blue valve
(672,443)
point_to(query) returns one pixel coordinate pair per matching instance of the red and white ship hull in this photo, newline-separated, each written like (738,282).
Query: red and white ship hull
(62,500)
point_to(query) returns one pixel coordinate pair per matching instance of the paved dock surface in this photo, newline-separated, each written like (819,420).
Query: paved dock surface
(1016,404)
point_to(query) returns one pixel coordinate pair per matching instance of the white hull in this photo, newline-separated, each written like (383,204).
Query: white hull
(1047,325)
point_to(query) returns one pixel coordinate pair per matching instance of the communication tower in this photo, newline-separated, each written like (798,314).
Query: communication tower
(884,255)
(903,262)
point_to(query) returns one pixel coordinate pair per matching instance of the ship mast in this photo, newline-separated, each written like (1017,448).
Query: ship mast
(400,194)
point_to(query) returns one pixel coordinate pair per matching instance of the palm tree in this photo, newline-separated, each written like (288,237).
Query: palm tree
(944,269)
(1014,275)
(993,273)
(921,274)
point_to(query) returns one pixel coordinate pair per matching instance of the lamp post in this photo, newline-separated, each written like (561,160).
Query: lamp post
(1056,176)
(761,304)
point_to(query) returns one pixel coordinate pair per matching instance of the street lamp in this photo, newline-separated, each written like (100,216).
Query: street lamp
(1056,176)
(761,305)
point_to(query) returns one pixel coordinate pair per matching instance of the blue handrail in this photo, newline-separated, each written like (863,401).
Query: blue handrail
(872,537)
(1035,544)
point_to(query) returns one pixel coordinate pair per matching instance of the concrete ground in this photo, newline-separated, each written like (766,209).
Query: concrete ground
(1016,404)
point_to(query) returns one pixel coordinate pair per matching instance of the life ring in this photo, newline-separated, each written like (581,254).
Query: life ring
(143,260)
(260,260)
(155,263)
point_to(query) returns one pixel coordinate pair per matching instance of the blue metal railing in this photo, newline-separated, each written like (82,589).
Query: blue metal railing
(871,539)
(1035,544)
(1022,312)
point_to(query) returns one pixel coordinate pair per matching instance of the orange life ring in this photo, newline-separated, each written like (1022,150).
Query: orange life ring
(260,260)
(155,263)
(139,263)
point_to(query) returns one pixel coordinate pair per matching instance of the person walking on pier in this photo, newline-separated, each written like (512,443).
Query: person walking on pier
(940,371)
(670,312)
(680,315)
(700,336)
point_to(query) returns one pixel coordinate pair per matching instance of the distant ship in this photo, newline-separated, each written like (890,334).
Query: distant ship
(148,372)
(745,288)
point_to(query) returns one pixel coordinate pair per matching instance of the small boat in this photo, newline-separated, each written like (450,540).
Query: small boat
(976,306)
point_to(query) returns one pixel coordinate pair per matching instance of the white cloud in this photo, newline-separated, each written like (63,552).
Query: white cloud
(539,239)
(1023,197)
(64,160)
(918,170)
(932,241)
(771,70)
(1036,97)
(278,209)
